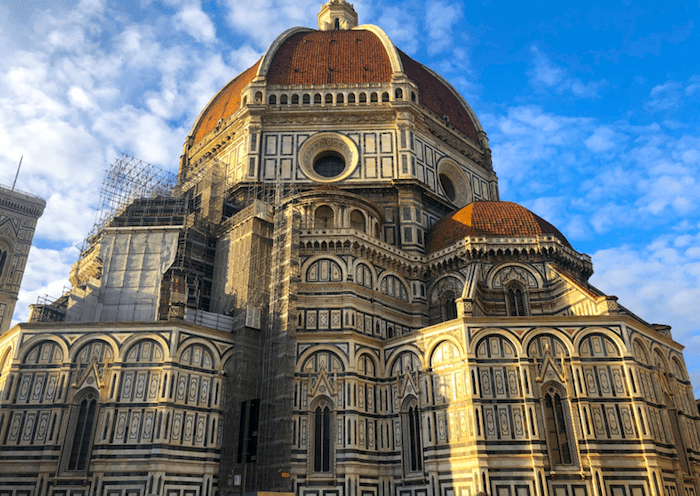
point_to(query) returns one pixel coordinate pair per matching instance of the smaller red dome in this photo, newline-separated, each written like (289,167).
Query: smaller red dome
(490,219)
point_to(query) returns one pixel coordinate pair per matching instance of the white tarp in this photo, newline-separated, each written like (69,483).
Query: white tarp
(134,261)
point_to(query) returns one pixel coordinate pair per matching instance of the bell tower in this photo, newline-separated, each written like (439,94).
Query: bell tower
(337,15)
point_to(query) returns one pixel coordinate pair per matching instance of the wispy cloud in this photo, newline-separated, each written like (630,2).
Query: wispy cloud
(547,75)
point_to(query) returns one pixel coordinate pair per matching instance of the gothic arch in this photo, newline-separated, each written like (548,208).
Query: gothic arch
(28,346)
(378,371)
(432,348)
(401,351)
(678,368)
(308,354)
(640,351)
(500,275)
(502,333)
(341,263)
(134,338)
(206,346)
(560,336)
(456,275)
(80,343)
(370,266)
(406,287)
(580,342)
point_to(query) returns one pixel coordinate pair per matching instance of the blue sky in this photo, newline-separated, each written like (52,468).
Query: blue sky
(591,111)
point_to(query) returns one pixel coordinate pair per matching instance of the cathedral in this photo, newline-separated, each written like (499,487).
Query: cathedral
(332,300)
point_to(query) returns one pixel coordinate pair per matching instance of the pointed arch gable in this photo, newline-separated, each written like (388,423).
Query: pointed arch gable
(492,278)
(455,275)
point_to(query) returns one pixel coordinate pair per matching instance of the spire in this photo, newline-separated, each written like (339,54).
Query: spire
(337,14)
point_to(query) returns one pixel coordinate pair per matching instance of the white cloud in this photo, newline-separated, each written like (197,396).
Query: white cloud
(440,19)
(604,139)
(399,24)
(192,20)
(666,96)
(546,74)
(658,282)
(264,20)
(46,274)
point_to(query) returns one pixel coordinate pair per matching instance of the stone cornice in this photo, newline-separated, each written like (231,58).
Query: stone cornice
(21,203)
(475,247)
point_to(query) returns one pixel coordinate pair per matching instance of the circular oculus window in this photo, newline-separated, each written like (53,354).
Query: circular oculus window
(328,157)
(455,183)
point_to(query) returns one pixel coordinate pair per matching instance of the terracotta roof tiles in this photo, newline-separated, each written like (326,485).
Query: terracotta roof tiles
(225,103)
(326,57)
(489,219)
(437,97)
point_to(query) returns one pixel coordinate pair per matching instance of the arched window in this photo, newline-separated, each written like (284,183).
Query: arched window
(284,100)
(398,94)
(323,435)
(515,301)
(329,98)
(323,217)
(295,99)
(357,221)
(374,98)
(557,428)
(317,98)
(4,260)
(385,97)
(336,26)
(258,96)
(363,97)
(351,98)
(412,449)
(307,99)
(340,98)
(449,305)
(83,417)
(272,100)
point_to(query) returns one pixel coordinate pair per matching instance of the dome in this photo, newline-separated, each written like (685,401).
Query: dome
(362,55)
(489,219)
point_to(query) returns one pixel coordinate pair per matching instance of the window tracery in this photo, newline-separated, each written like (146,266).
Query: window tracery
(412,446)
(557,427)
(516,301)
(83,415)
(323,436)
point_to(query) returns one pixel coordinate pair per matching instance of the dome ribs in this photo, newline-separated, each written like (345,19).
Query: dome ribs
(490,219)
(225,103)
(437,97)
(337,57)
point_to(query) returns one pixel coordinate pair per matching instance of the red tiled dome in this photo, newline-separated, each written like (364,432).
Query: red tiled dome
(489,219)
(355,56)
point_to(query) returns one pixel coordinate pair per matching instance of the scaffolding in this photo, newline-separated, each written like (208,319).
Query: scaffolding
(126,180)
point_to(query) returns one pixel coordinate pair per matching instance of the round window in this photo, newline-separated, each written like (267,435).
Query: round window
(328,157)
(448,187)
(329,164)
